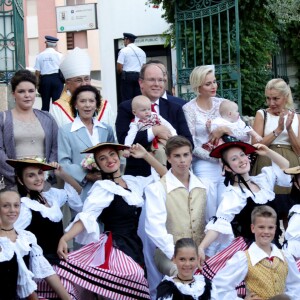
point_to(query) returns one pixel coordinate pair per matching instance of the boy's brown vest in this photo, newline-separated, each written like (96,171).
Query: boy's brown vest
(185,213)
(266,279)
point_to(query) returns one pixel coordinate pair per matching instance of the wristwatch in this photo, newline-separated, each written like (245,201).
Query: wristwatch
(275,133)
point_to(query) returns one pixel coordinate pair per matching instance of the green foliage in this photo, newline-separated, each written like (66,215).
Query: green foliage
(266,26)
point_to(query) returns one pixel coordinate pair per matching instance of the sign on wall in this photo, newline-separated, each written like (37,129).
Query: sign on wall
(76,18)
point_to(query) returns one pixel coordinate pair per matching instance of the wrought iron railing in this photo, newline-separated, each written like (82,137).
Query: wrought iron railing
(12,47)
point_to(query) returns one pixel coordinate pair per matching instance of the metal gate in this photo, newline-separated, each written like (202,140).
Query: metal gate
(207,32)
(12,47)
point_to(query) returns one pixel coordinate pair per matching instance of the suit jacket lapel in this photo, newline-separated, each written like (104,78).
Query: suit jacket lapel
(82,135)
(102,134)
(163,108)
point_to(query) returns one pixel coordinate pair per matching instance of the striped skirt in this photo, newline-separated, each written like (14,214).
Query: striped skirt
(118,277)
(218,261)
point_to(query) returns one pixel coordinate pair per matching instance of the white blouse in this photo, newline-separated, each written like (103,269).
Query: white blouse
(38,265)
(292,233)
(56,198)
(195,289)
(234,200)
(236,270)
(196,119)
(100,196)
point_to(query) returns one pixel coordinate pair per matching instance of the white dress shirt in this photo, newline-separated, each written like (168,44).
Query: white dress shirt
(156,212)
(77,124)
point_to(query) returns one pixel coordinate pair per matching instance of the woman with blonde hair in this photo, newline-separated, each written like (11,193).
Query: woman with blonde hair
(279,127)
(199,112)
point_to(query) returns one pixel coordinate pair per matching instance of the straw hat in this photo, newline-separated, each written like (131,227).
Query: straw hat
(292,171)
(26,162)
(94,149)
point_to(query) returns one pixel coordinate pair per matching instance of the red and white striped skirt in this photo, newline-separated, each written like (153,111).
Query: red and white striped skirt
(119,277)
(218,261)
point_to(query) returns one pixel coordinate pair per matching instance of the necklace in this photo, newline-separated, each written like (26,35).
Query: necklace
(7,229)
(117,177)
(241,181)
(185,280)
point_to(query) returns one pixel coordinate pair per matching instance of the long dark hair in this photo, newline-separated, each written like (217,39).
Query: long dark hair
(23,190)
(231,177)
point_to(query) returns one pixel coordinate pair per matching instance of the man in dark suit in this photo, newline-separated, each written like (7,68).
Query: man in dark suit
(152,84)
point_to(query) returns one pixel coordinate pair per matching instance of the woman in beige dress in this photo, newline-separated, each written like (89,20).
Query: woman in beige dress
(25,131)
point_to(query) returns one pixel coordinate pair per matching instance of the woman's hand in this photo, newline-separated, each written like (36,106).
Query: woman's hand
(62,249)
(289,120)
(126,153)
(280,125)
(93,176)
(58,168)
(216,134)
(261,149)
(138,151)
(201,256)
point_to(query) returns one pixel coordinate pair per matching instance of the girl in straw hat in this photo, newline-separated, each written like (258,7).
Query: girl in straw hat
(113,260)
(243,192)
(41,211)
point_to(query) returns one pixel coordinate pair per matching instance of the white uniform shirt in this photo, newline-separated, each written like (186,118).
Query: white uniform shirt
(48,61)
(132,58)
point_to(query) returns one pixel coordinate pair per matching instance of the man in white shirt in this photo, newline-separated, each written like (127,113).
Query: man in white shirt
(131,58)
(47,72)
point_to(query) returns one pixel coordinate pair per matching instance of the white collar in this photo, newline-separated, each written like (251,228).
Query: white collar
(295,209)
(173,182)
(257,254)
(77,124)
(164,95)
(155,102)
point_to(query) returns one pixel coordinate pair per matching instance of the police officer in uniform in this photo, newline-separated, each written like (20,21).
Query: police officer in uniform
(131,58)
(50,81)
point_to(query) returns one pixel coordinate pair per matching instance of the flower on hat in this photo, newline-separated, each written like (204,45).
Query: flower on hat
(39,159)
(88,163)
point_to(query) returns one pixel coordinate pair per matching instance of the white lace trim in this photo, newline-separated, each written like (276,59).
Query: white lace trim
(53,213)
(194,289)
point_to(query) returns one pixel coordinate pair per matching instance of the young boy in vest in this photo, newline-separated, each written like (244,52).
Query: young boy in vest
(175,207)
(267,271)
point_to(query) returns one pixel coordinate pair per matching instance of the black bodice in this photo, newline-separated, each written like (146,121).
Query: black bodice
(48,234)
(241,224)
(122,221)
(9,276)
(167,289)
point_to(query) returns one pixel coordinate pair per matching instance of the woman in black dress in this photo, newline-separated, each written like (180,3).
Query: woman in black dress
(114,261)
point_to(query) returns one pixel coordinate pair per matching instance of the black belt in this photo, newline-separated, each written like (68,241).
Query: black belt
(131,72)
(49,74)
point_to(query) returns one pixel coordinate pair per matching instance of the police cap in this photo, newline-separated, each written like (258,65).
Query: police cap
(51,39)
(129,36)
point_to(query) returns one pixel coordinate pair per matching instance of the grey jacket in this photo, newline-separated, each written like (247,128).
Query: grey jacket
(7,141)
